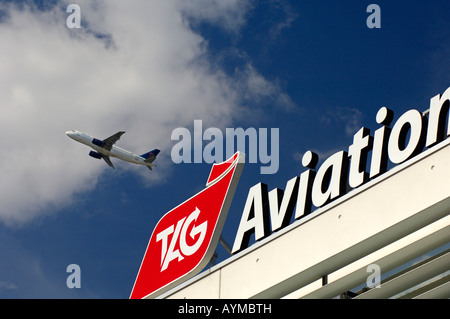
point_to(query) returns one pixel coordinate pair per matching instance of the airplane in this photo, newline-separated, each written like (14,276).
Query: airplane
(106,148)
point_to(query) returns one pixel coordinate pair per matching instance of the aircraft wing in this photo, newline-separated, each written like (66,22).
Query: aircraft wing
(109,142)
(108,160)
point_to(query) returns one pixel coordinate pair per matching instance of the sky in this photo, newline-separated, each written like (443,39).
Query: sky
(312,69)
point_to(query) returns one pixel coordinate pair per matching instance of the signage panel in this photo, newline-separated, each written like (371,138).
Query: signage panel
(185,238)
(268,211)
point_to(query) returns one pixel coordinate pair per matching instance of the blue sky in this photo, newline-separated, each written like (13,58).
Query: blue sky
(313,69)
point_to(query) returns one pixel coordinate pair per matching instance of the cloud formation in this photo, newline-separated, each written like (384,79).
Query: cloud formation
(133,65)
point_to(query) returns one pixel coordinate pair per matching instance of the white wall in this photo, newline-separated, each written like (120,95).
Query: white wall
(407,198)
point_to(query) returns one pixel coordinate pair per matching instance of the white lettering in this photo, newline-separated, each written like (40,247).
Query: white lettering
(241,135)
(181,152)
(171,252)
(343,171)
(362,143)
(264,157)
(206,310)
(164,235)
(439,108)
(236,139)
(74,279)
(215,146)
(254,217)
(74,20)
(196,230)
(246,308)
(168,251)
(409,123)
(374,279)
(304,201)
(379,159)
(373,20)
(198,141)
(330,180)
(281,212)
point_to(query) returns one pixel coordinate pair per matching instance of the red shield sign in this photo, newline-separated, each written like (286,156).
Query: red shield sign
(185,238)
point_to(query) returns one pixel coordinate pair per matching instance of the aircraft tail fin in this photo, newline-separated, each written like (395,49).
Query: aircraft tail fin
(150,156)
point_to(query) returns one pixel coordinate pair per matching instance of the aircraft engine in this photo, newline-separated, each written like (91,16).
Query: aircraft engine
(95,155)
(98,142)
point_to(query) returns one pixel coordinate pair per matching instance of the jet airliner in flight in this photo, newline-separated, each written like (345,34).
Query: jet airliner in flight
(106,149)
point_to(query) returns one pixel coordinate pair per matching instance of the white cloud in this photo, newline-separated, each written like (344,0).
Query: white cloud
(289,15)
(5,285)
(229,14)
(134,66)
(351,118)
(257,88)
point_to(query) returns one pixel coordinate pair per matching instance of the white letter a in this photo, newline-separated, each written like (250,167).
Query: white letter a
(374,20)
(74,279)
(74,20)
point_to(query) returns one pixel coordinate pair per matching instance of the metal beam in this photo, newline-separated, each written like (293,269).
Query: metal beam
(411,278)
(388,258)
(437,290)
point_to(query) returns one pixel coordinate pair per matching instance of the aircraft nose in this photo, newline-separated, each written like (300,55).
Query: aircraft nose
(70,133)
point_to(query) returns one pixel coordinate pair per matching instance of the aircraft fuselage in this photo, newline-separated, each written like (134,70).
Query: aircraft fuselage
(115,151)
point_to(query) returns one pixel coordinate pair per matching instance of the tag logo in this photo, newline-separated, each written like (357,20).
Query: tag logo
(181,229)
(185,238)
